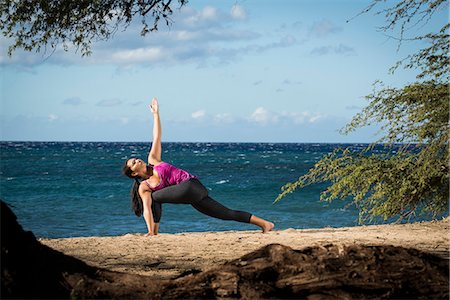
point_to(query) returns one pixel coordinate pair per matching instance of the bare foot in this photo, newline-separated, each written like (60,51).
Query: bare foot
(268,226)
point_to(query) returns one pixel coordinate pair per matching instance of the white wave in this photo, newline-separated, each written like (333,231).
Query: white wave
(222,181)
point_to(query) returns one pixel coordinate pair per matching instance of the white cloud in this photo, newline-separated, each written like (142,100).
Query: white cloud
(149,54)
(223,118)
(341,49)
(206,36)
(323,28)
(208,13)
(263,116)
(198,115)
(206,17)
(302,117)
(314,119)
(52,117)
(238,12)
(185,35)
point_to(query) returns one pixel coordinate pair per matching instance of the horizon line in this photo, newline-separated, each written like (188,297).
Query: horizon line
(191,142)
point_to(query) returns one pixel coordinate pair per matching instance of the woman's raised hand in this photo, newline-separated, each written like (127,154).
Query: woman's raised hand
(154,106)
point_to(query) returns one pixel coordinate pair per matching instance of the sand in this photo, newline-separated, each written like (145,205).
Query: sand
(170,255)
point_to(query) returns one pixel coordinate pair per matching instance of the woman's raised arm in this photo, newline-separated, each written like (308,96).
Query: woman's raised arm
(154,156)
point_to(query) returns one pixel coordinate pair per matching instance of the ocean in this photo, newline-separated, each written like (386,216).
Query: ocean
(74,189)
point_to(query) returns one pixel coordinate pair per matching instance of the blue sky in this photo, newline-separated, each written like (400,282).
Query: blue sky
(225,71)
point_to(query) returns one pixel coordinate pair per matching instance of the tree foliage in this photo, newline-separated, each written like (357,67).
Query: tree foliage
(33,24)
(412,174)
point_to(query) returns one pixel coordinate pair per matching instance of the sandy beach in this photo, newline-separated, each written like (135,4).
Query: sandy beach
(169,255)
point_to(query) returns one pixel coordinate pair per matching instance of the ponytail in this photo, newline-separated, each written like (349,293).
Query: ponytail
(136,201)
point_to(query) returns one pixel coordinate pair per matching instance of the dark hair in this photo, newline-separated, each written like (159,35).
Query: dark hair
(136,201)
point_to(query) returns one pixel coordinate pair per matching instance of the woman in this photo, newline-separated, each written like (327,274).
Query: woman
(157,182)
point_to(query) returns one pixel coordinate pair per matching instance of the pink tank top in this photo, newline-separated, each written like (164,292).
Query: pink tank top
(169,175)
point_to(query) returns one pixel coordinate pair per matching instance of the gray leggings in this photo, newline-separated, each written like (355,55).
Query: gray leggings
(194,193)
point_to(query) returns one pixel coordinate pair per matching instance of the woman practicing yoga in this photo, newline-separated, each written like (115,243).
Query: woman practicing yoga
(158,182)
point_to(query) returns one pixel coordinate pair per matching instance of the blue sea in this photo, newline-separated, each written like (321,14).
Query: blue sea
(73,189)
